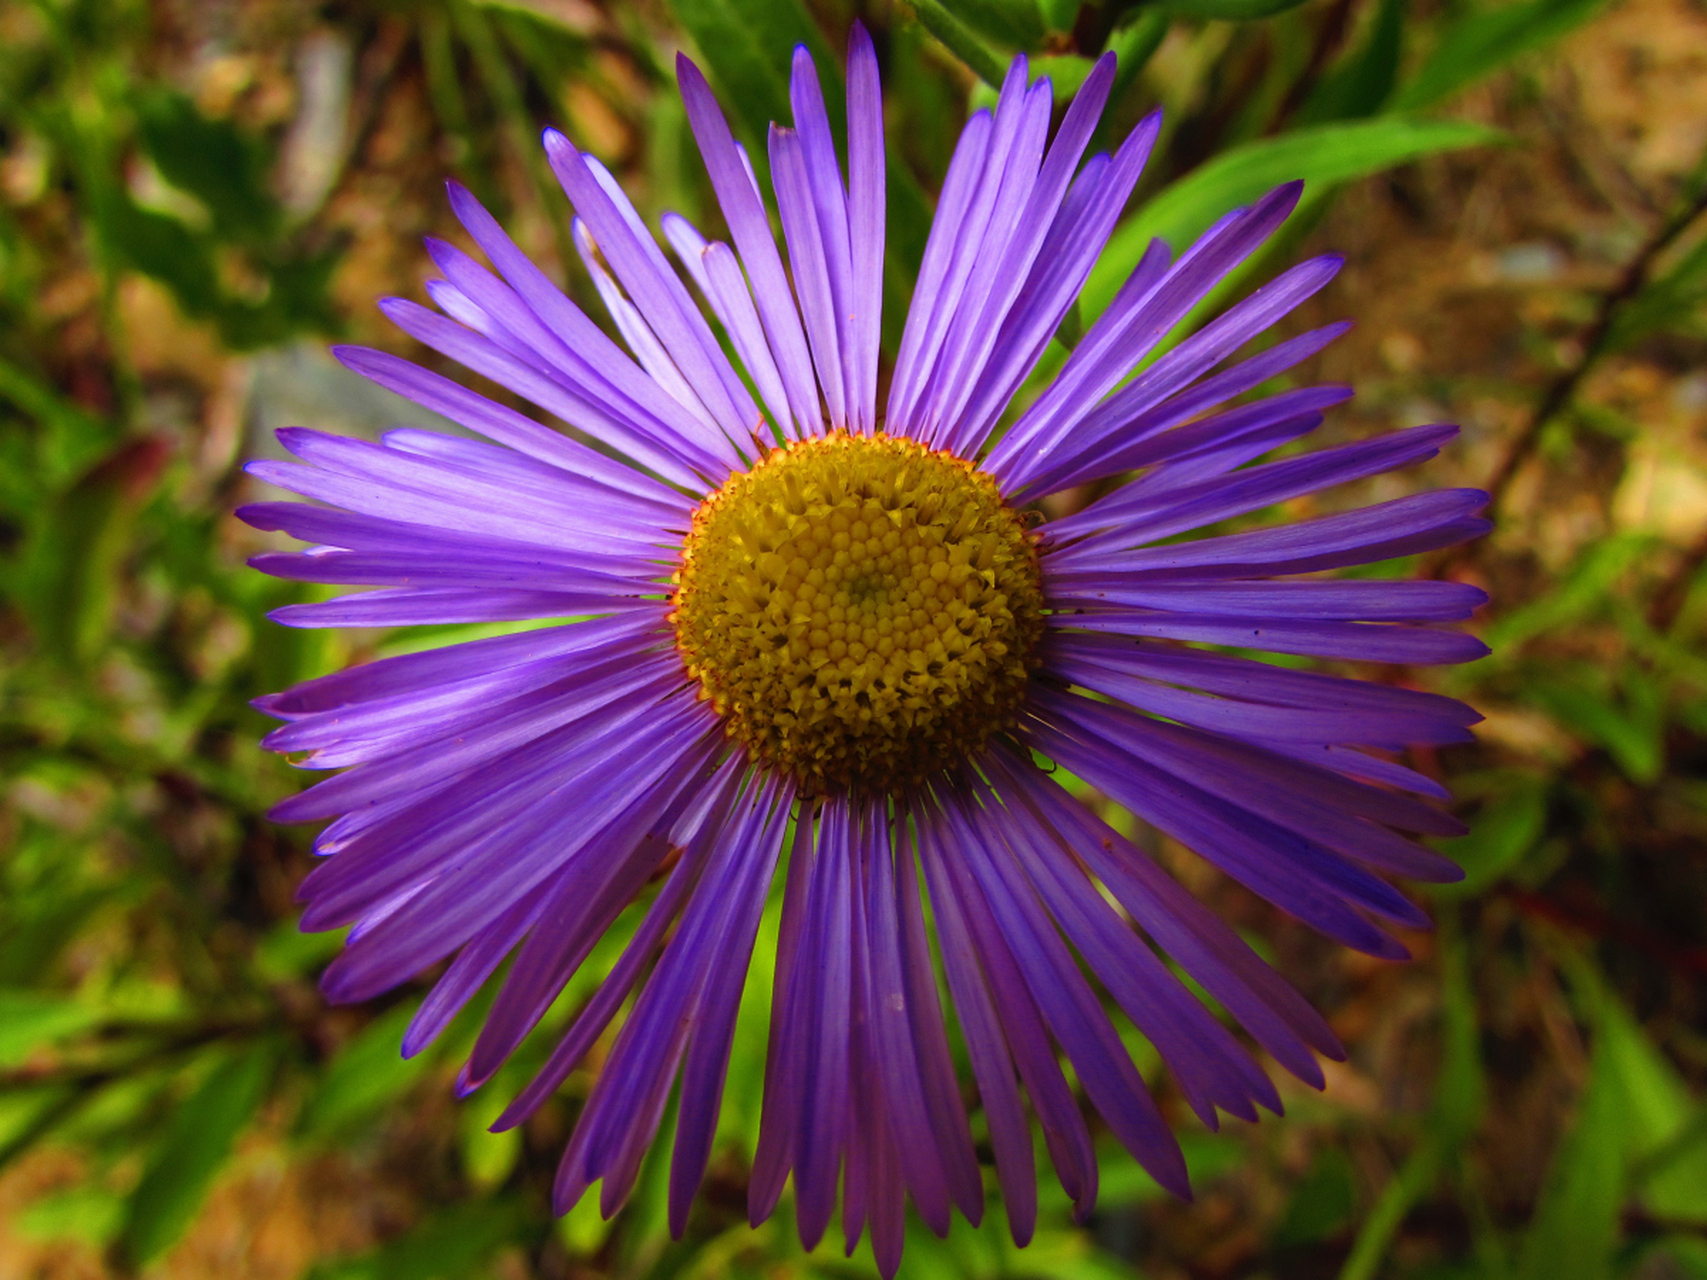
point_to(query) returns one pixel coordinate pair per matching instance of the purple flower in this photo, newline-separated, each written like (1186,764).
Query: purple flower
(825,638)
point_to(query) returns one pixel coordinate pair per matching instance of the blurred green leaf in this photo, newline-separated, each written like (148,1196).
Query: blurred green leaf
(1229,10)
(31,1019)
(197,1145)
(1014,24)
(1321,156)
(1664,1134)
(942,23)
(90,1214)
(368,1073)
(1059,15)
(1363,82)
(1688,1254)
(1503,831)
(1459,1095)
(1575,1226)
(1323,1203)
(1133,46)
(288,952)
(70,439)
(213,160)
(452,1243)
(749,48)
(1483,42)
(159,245)
(488,1158)
(32,939)
(1585,588)
(68,579)
(1631,730)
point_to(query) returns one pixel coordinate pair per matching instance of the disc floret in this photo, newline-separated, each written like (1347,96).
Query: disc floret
(860,610)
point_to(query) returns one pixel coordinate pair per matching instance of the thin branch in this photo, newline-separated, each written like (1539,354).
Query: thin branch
(1563,389)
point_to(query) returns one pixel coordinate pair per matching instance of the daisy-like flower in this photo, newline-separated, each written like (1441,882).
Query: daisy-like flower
(805,636)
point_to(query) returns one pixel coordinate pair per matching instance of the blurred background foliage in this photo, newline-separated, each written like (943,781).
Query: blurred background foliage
(196,194)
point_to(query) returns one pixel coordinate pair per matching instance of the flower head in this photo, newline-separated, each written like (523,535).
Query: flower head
(820,636)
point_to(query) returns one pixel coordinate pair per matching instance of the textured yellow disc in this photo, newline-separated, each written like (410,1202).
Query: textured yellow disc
(860,610)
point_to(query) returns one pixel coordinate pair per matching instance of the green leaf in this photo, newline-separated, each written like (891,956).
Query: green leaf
(1321,156)
(488,1158)
(1363,82)
(749,48)
(206,1127)
(1507,827)
(1583,591)
(1575,1226)
(160,246)
(288,952)
(1633,733)
(369,1072)
(1133,47)
(1484,42)
(1228,10)
(31,1019)
(450,1244)
(1687,1256)
(212,160)
(69,581)
(1664,1134)
(1014,24)
(958,40)
(90,1214)
(1323,1203)
(71,437)
(1060,15)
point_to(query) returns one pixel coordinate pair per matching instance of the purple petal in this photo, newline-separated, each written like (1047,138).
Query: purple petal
(1131,327)
(936,1066)
(656,291)
(925,323)
(1294,874)
(992,1066)
(781,1102)
(1195,356)
(1183,406)
(1222,498)
(1205,947)
(1418,522)
(824,201)
(971,941)
(1353,641)
(738,196)
(408,675)
(1007,270)
(1209,1064)
(1068,1004)
(865,225)
(507,427)
(890,1036)
(1075,239)
(808,255)
(708,1051)
(1308,601)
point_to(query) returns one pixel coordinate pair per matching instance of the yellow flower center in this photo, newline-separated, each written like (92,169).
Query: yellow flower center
(861,611)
